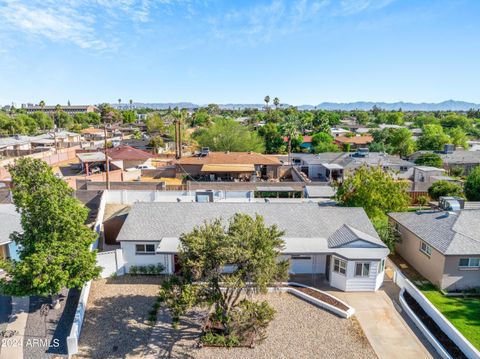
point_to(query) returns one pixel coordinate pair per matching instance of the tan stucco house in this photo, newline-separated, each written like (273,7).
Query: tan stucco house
(442,246)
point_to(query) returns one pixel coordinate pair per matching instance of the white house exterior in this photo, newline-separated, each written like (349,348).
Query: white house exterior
(10,222)
(337,243)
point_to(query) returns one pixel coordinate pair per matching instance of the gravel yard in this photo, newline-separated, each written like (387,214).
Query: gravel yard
(299,330)
(115,323)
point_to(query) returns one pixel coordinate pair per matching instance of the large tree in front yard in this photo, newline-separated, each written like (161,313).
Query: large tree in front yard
(54,247)
(249,250)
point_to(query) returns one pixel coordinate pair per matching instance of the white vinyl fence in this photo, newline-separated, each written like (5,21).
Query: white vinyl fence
(465,346)
(112,263)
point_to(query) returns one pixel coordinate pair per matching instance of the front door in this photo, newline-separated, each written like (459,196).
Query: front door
(176,264)
(327,268)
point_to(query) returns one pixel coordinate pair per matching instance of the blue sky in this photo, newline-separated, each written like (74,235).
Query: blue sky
(304,52)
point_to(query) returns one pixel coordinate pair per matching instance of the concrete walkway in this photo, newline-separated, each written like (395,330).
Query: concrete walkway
(388,332)
(13,348)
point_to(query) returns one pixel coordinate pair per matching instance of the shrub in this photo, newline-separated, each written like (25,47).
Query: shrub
(472,185)
(251,317)
(150,269)
(220,340)
(444,188)
(422,200)
(429,159)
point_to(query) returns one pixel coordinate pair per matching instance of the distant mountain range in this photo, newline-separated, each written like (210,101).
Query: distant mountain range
(450,105)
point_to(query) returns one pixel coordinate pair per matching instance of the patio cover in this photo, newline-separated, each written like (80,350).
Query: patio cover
(332,166)
(228,168)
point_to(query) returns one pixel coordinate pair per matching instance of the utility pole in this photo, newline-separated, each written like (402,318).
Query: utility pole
(178,138)
(107,166)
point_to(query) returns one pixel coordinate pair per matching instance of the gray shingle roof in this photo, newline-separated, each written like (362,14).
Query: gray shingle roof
(450,233)
(9,222)
(347,160)
(153,221)
(347,234)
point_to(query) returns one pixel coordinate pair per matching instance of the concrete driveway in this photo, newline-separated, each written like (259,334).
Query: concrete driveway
(390,334)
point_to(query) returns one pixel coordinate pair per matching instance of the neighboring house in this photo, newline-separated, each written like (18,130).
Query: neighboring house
(466,160)
(93,134)
(124,157)
(338,243)
(71,110)
(229,166)
(14,143)
(333,166)
(444,247)
(355,142)
(335,132)
(306,142)
(9,223)
(425,176)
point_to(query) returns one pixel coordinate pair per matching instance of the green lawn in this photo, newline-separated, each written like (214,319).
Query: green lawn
(463,313)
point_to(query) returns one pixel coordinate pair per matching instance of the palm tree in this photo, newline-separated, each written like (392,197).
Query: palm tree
(290,129)
(130,102)
(119,102)
(267,101)
(276,102)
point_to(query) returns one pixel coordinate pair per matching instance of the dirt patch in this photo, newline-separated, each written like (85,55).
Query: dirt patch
(438,333)
(320,296)
(116,322)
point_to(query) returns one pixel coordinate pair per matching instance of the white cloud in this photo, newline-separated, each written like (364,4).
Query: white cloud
(79,22)
(351,7)
(262,22)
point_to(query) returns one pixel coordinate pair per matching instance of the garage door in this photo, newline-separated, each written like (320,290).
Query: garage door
(300,264)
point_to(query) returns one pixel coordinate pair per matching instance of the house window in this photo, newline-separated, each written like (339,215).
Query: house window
(425,249)
(339,266)
(381,266)
(144,248)
(469,262)
(362,269)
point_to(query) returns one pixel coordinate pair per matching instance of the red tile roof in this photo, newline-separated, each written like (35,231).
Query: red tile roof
(306,139)
(128,153)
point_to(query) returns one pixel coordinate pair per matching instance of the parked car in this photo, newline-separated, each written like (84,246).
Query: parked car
(144,167)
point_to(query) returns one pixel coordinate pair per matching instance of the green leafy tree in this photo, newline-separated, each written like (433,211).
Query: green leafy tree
(155,124)
(444,188)
(44,122)
(273,138)
(267,101)
(429,159)
(323,142)
(375,190)
(227,135)
(156,142)
(433,138)
(249,247)
(472,185)
(276,102)
(290,129)
(129,116)
(458,137)
(54,247)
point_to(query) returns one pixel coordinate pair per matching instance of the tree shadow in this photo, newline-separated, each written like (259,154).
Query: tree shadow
(116,326)
(168,342)
(5,310)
